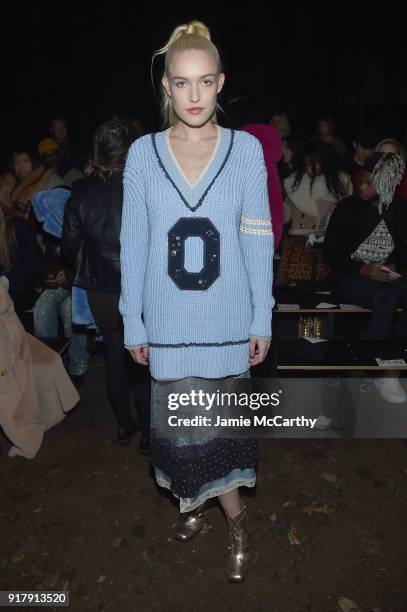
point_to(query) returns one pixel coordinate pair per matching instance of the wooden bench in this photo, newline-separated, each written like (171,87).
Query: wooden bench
(340,355)
(341,352)
(307,303)
(331,355)
(291,305)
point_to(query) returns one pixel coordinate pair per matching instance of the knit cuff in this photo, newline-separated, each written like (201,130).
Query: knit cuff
(134,346)
(134,331)
(261,323)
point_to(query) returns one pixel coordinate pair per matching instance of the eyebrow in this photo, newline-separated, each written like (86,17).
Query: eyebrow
(201,77)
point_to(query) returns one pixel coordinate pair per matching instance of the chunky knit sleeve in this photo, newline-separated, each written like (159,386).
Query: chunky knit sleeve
(133,249)
(256,237)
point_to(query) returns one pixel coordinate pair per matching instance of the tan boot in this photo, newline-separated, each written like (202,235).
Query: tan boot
(237,550)
(190,523)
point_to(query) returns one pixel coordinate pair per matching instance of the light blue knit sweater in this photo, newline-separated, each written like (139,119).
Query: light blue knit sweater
(196,261)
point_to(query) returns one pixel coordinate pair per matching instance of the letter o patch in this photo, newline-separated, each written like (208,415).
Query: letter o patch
(184,228)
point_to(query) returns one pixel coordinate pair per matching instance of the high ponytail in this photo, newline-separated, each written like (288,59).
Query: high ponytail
(194,35)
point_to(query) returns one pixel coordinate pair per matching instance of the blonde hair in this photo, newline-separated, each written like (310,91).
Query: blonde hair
(194,35)
(400,150)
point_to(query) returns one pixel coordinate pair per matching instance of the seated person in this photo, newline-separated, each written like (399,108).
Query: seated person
(365,244)
(20,260)
(50,155)
(292,149)
(55,303)
(363,147)
(314,189)
(326,132)
(26,177)
(280,121)
(68,159)
(312,193)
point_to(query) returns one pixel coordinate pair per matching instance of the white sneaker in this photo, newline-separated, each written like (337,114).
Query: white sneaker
(366,386)
(391,390)
(322,422)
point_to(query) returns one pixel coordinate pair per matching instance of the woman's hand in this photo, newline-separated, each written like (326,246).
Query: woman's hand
(258,349)
(140,355)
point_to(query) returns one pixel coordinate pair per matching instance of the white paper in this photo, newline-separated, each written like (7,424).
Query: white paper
(390,362)
(326,305)
(288,306)
(314,340)
(394,274)
(350,307)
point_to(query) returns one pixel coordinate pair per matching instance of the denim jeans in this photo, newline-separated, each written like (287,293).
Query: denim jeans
(382,298)
(52,304)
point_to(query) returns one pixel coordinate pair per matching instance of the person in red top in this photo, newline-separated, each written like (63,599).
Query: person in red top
(242,115)
(270,140)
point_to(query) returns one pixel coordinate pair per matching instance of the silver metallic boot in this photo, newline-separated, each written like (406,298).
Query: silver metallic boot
(190,523)
(237,550)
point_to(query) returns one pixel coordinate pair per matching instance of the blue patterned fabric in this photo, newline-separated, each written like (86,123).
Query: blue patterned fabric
(196,463)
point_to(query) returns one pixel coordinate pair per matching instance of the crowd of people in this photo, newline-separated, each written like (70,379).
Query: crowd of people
(319,191)
(40,276)
(352,204)
(307,182)
(82,238)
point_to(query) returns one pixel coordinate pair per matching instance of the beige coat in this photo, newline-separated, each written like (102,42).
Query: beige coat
(35,389)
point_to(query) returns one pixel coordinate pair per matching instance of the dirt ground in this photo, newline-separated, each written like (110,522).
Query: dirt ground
(86,516)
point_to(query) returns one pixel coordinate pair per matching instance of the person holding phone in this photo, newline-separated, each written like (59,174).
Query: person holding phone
(366,245)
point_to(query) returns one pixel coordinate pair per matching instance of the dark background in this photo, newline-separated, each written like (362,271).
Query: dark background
(86,61)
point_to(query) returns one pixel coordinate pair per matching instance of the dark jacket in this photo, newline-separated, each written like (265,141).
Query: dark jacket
(91,232)
(53,263)
(24,272)
(352,221)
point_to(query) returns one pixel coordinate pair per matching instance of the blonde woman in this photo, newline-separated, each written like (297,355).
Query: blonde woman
(196,260)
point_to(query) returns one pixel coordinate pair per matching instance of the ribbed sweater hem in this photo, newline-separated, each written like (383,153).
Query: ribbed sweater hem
(206,362)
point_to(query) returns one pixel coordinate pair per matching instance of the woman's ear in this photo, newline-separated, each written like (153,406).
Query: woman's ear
(221,81)
(166,85)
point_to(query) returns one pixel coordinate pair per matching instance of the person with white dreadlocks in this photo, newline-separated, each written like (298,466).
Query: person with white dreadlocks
(366,245)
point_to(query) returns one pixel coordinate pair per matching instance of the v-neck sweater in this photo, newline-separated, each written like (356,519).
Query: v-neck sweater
(196,261)
(198,180)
